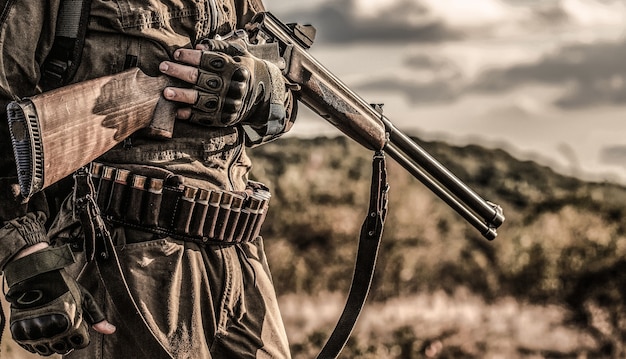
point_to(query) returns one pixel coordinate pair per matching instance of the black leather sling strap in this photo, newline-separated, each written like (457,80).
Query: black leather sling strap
(369,242)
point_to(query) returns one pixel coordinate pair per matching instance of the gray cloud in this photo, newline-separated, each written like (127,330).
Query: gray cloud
(338,22)
(613,155)
(594,74)
(551,15)
(590,74)
(416,93)
(444,81)
(430,63)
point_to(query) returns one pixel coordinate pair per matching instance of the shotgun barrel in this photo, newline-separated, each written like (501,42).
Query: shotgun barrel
(333,100)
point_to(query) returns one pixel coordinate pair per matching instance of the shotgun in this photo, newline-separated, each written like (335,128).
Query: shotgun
(58,132)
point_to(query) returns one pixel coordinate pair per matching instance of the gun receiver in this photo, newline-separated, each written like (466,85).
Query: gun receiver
(334,101)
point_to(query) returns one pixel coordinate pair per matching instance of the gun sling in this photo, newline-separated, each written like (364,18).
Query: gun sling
(369,242)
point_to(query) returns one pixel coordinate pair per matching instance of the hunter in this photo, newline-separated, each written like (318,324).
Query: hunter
(203,289)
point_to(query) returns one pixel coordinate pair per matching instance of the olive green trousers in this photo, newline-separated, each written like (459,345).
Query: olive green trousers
(201,301)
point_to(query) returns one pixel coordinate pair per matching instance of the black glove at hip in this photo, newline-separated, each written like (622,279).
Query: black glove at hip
(50,311)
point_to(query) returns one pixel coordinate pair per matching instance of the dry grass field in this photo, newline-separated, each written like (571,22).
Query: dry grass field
(434,325)
(438,325)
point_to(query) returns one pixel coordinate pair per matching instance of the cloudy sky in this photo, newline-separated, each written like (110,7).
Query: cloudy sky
(544,79)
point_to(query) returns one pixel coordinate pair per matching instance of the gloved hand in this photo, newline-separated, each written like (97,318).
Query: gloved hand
(50,311)
(230,84)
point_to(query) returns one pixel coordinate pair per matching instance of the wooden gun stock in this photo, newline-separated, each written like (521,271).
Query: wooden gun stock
(60,131)
(334,101)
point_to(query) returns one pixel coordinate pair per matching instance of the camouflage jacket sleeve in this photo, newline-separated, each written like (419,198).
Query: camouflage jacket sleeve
(26,28)
(279,122)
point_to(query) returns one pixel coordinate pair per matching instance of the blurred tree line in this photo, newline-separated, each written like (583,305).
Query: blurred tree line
(563,241)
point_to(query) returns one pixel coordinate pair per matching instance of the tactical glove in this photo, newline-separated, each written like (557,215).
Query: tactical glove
(50,311)
(233,84)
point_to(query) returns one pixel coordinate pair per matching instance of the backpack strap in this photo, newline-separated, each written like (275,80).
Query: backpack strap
(64,57)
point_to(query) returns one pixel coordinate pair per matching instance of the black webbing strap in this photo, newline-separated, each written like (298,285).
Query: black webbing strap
(371,235)
(99,245)
(69,38)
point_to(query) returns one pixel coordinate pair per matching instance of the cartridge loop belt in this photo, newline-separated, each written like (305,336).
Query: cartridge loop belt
(189,213)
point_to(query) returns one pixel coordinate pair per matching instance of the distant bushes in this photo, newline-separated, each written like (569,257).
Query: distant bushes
(563,240)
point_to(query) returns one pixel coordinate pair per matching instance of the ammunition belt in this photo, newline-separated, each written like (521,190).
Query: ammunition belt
(185,212)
